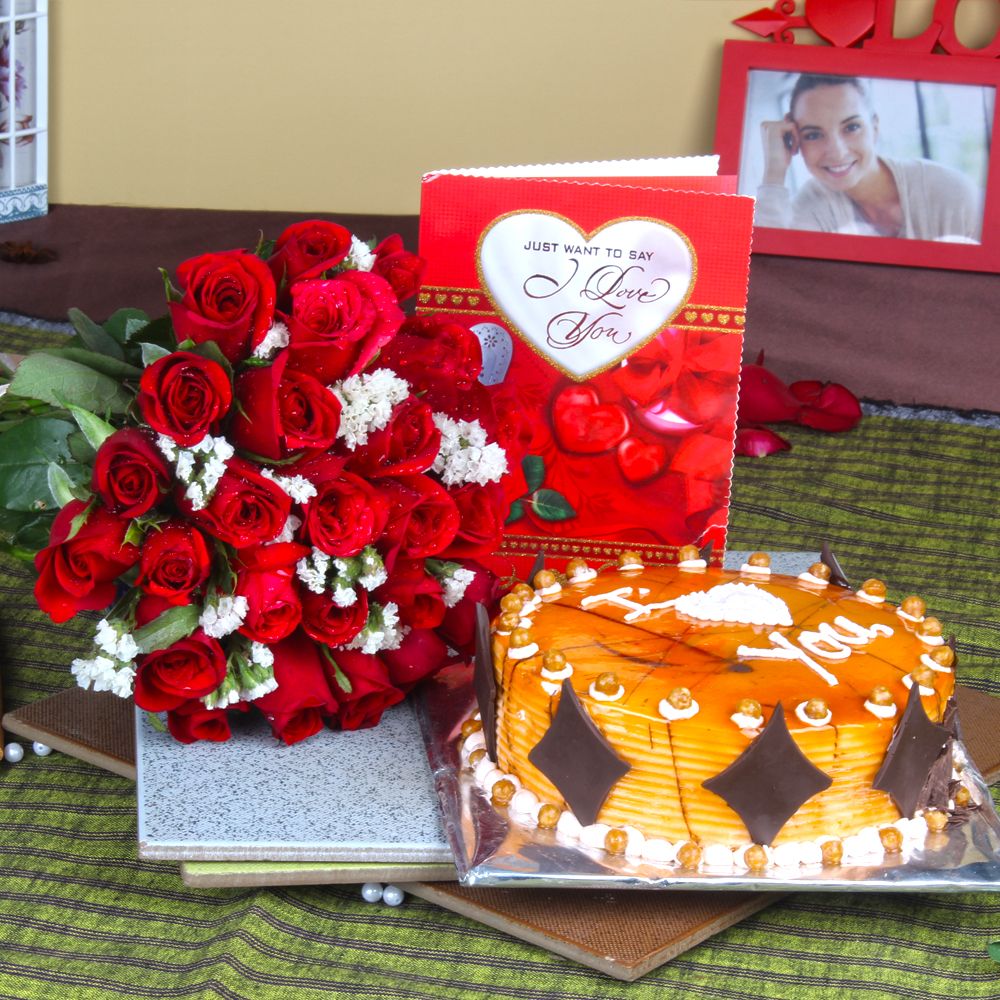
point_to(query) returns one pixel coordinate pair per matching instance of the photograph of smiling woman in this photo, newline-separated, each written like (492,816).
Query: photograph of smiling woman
(867,157)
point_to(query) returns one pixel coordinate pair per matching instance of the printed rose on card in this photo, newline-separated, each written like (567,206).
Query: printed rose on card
(612,309)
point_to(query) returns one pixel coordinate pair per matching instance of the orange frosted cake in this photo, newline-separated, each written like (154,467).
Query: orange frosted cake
(693,716)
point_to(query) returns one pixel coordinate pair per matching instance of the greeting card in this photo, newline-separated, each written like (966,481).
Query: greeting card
(609,300)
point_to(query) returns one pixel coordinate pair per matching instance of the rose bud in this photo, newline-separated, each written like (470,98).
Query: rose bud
(329,623)
(421,654)
(398,266)
(282,412)
(338,325)
(175,561)
(184,396)
(130,473)
(190,668)
(228,298)
(246,508)
(346,514)
(78,573)
(480,529)
(307,249)
(423,517)
(408,444)
(192,721)
(371,690)
(303,698)
(274,609)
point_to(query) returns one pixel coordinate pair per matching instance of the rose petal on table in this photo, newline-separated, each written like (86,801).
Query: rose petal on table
(758,442)
(827,406)
(764,398)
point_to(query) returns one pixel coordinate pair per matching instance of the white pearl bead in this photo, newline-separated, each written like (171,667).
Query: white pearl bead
(13,752)
(392,895)
(371,892)
(41,750)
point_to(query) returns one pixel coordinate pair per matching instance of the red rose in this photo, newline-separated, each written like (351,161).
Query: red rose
(480,530)
(183,396)
(175,561)
(345,515)
(246,508)
(329,623)
(280,412)
(459,626)
(415,592)
(307,249)
(423,519)
(130,473)
(192,721)
(398,266)
(265,577)
(190,668)
(338,325)
(408,444)
(421,654)
(434,352)
(303,697)
(229,298)
(371,690)
(78,573)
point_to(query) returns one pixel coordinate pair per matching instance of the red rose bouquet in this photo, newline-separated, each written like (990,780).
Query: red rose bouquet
(283,495)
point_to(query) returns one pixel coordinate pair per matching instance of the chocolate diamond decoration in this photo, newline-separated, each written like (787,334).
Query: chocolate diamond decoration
(914,748)
(577,759)
(837,576)
(769,781)
(484,681)
(537,566)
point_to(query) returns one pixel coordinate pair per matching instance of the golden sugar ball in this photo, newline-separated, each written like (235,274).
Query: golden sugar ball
(820,570)
(511,602)
(874,588)
(469,727)
(880,695)
(689,855)
(962,797)
(523,591)
(615,841)
(923,676)
(930,627)
(943,656)
(548,816)
(688,552)
(576,565)
(508,621)
(607,683)
(751,707)
(476,756)
(629,559)
(816,708)
(503,792)
(520,638)
(755,858)
(936,820)
(892,839)
(553,660)
(914,606)
(544,579)
(680,698)
(759,559)
(833,851)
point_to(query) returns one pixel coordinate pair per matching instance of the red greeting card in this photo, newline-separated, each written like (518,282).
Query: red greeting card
(612,308)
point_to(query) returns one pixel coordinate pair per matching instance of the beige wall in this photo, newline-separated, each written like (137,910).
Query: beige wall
(341,105)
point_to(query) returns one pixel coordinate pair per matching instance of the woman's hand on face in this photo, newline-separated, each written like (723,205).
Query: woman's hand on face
(781,143)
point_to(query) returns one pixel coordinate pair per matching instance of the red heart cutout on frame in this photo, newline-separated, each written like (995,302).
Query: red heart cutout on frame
(582,423)
(640,461)
(840,22)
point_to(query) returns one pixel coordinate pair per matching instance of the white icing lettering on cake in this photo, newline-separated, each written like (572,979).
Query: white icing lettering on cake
(857,635)
(785,650)
(619,599)
(743,603)
(800,711)
(672,714)
(824,643)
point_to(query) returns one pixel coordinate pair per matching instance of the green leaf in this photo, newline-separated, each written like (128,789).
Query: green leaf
(156,722)
(96,430)
(211,350)
(62,382)
(79,521)
(61,486)
(516,512)
(551,505)
(338,675)
(124,324)
(25,453)
(94,336)
(152,352)
(173,295)
(80,448)
(23,533)
(159,331)
(174,624)
(534,471)
(112,367)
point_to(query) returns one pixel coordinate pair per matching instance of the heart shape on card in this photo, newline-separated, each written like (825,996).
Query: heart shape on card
(583,424)
(585,301)
(640,461)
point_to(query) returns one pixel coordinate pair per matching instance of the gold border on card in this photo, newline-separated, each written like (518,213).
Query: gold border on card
(595,549)
(587,237)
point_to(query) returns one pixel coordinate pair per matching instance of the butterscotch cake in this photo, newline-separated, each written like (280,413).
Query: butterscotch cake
(693,716)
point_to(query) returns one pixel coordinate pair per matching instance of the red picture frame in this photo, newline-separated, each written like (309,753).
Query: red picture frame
(754,74)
